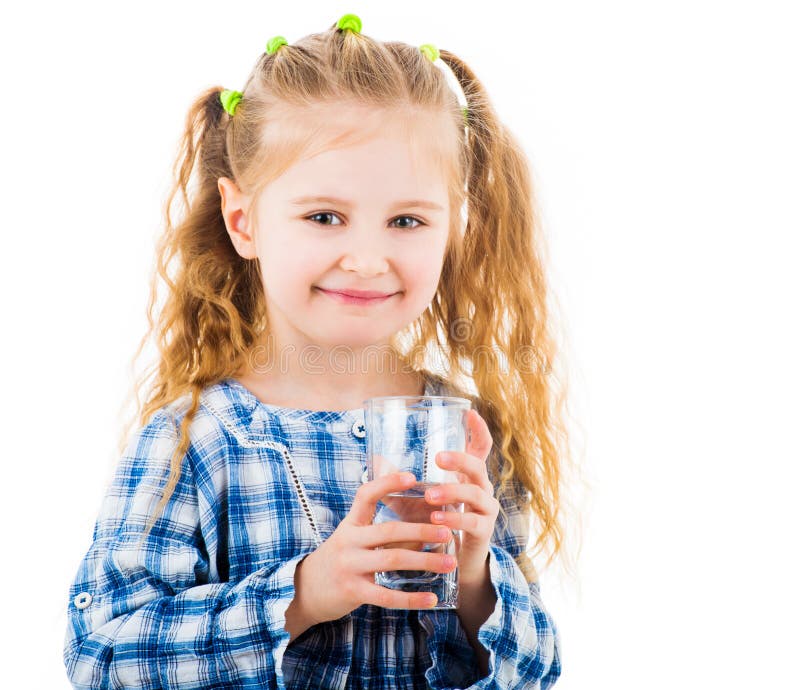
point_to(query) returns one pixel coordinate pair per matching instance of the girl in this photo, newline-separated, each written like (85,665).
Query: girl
(342,206)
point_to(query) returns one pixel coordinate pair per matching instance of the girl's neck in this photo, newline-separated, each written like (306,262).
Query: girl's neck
(325,392)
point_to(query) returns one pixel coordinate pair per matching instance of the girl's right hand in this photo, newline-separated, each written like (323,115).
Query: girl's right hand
(340,575)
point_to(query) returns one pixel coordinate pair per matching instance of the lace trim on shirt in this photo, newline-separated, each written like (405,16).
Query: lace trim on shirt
(301,493)
(287,456)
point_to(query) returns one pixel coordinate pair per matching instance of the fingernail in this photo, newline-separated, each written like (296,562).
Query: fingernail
(435,493)
(443,532)
(440,516)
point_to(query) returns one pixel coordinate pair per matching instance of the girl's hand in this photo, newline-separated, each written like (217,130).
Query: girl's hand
(340,575)
(477,494)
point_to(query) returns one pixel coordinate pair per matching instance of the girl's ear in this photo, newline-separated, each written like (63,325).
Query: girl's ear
(233,206)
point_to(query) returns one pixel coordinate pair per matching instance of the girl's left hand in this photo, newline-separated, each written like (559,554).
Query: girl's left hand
(476,492)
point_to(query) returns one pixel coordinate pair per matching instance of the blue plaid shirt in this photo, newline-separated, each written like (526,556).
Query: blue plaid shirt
(201,603)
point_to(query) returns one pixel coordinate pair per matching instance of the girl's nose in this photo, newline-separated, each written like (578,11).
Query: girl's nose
(366,257)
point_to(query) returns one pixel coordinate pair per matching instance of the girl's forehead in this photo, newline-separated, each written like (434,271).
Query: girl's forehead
(311,138)
(373,174)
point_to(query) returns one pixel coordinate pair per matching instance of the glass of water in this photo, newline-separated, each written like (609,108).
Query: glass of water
(404,434)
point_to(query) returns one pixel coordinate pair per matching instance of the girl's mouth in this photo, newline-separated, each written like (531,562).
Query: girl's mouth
(343,298)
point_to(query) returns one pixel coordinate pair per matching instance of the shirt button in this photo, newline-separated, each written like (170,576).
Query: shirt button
(359,429)
(82,600)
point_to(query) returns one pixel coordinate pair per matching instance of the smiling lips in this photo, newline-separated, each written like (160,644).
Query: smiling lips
(358,296)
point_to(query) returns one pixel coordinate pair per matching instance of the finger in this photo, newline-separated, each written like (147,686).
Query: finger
(468,522)
(472,467)
(479,441)
(408,507)
(403,532)
(408,545)
(391,599)
(429,547)
(381,560)
(478,499)
(368,494)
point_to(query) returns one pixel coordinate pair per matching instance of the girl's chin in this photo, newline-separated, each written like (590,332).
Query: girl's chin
(352,326)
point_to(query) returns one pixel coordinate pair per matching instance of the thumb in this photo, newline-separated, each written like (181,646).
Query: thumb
(362,511)
(479,442)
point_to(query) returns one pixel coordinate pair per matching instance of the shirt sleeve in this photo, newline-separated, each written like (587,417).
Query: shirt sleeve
(146,615)
(520,634)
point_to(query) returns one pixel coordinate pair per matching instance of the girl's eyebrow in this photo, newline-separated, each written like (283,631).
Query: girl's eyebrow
(416,203)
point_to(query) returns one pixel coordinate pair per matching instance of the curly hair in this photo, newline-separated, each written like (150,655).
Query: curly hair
(488,325)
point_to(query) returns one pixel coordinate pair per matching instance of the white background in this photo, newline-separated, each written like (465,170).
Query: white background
(665,144)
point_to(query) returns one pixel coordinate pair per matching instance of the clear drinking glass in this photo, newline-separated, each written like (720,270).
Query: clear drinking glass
(404,434)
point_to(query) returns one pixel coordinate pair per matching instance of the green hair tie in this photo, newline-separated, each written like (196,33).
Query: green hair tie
(274,43)
(464,111)
(349,21)
(230,99)
(430,51)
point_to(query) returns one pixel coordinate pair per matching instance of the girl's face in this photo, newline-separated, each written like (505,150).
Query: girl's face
(368,217)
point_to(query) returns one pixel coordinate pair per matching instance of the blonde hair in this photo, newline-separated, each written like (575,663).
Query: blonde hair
(488,321)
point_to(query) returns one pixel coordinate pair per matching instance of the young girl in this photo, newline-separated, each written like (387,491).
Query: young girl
(346,220)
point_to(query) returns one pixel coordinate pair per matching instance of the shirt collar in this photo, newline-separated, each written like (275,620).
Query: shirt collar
(251,420)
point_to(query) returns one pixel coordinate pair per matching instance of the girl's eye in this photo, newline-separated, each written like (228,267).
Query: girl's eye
(333,215)
(325,213)
(418,222)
